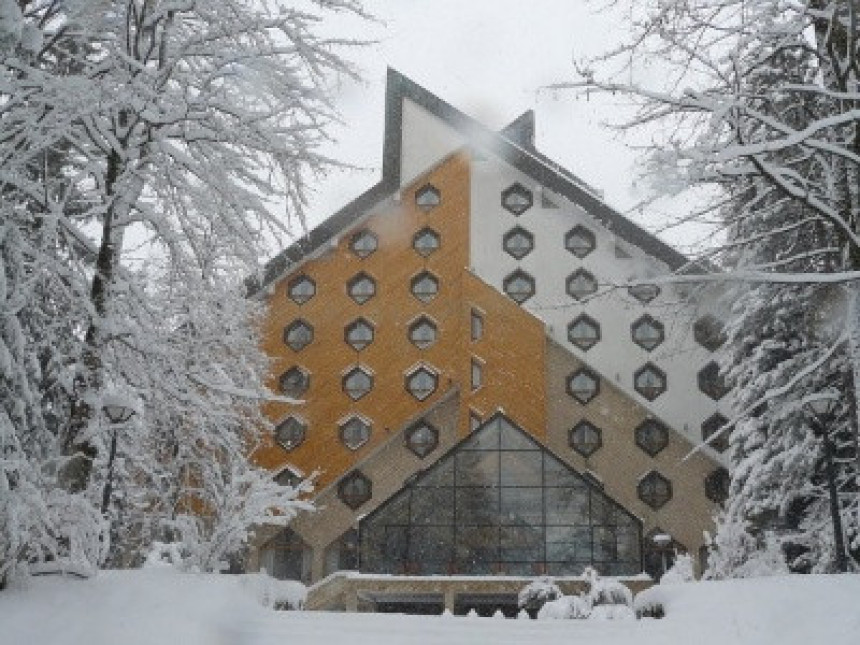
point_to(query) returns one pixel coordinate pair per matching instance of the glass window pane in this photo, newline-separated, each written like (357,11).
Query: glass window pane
(433,506)
(521,468)
(521,544)
(478,506)
(521,506)
(478,468)
(441,474)
(432,544)
(566,506)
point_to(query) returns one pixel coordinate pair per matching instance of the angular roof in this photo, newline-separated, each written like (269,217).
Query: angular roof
(514,144)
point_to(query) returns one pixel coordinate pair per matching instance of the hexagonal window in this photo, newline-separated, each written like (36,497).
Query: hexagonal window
(585,438)
(355,489)
(644,293)
(288,477)
(519,286)
(422,382)
(650,381)
(298,335)
(709,333)
(712,383)
(518,242)
(290,432)
(711,426)
(423,332)
(295,382)
(425,286)
(581,284)
(652,436)
(717,485)
(580,241)
(428,197)
(361,288)
(357,382)
(422,439)
(363,243)
(301,289)
(647,332)
(654,489)
(358,334)
(517,199)
(584,332)
(426,241)
(354,432)
(583,385)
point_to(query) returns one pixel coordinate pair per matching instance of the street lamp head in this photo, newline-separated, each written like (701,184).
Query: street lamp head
(118,413)
(824,404)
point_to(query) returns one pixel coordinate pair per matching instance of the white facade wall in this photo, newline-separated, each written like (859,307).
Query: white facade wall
(427,139)
(615,357)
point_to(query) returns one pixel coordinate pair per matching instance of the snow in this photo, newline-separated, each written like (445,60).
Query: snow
(162,605)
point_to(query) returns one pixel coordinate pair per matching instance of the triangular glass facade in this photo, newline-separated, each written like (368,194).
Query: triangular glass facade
(500,503)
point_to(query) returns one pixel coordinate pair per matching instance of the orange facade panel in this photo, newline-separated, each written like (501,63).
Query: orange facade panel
(392,266)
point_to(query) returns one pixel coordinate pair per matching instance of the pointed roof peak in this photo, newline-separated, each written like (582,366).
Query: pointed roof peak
(522,129)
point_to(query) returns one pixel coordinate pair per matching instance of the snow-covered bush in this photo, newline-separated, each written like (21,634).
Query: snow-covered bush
(273,593)
(606,591)
(605,599)
(565,607)
(537,593)
(650,603)
(680,571)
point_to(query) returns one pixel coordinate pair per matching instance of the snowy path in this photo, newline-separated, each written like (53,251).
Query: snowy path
(167,608)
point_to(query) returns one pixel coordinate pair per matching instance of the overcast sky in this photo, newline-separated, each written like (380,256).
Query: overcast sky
(488,58)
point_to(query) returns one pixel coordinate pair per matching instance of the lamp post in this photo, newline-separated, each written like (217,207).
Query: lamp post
(662,541)
(821,410)
(118,415)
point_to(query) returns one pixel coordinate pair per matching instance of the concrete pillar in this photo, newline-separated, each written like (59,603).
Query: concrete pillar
(449,598)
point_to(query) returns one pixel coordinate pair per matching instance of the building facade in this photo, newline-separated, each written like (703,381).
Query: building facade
(483,392)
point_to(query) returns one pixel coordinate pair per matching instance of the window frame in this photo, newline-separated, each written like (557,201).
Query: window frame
(583,371)
(349,421)
(643,441)
(428,189)
(301,298)
(650,321)
(430,278)
(587,320)
(352,501)
(297,323)
(352,283)
(297,441)
(359,322)
(648,394)
(364,233)
(352,392)
(302,388)
(517,188)
(516,275)
(427,251)
(422,321)
(421,368)
(585,450)
(585,234)
(511,234)
(428,446)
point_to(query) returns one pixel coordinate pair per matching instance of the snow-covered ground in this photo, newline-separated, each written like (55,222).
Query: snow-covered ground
(162,606)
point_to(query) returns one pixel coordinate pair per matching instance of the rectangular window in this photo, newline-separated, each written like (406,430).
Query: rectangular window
(477,325)
(477,374)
